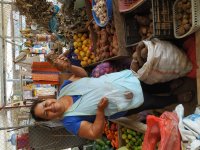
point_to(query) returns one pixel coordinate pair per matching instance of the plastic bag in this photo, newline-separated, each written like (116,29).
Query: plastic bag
(186,135)
(189,128)
(190,46)
(165,62)
(170,136)
(163,129)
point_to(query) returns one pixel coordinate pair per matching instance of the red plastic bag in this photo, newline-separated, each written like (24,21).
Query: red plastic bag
(189,45)
(163,129)
(152,135)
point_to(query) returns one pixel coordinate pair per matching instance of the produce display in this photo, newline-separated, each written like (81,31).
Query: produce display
(71,20)
(100,10)
(102,144)
(132,139)
(183,16)
(38,10)
(111,132)
(106,42)
(139,57)
(82,46)
(145,23)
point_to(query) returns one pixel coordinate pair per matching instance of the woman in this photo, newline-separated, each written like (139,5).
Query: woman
(84,102)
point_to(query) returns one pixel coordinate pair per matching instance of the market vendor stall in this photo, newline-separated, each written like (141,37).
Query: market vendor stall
(67,40)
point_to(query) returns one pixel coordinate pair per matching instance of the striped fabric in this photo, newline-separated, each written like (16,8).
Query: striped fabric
(44,73)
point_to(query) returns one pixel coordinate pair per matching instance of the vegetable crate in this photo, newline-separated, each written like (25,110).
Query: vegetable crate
(130,138)
(186,16)
(160,22)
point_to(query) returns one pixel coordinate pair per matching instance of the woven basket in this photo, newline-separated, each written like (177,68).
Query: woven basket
(129,5)
(195,8)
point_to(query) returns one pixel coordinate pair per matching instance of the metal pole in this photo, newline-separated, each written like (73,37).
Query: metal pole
(12,35)
(3,63)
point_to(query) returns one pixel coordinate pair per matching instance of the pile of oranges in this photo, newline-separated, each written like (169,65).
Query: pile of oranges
(82,46)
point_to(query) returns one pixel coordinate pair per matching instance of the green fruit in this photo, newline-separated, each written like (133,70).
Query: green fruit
(127,146)
(132,143)
(140,140)
(138,133)
(127,140)
(124,136)
(100,142)
(129,136)
(133,133)
(128,130)
(97,147)
(133,139)
(108,142)
(106,147)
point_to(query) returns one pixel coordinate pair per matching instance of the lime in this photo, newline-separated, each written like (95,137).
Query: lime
(124,136)
(128,131)
(129,136)
(133,133)
(127,141)
(133,139)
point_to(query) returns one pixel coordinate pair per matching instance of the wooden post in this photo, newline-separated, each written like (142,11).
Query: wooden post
(198,64)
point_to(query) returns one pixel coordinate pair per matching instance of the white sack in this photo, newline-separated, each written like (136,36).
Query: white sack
(165,62)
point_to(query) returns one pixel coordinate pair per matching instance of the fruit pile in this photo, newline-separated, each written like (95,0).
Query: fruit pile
(111,133)
(82,49)
(102,144)
(132,139)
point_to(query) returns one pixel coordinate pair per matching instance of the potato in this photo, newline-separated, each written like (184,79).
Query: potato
(107,54)
(181,30)
(134,56)
(114,51)
(144,53)
(140,46)
(187,27)
(142,20)
(185,21)
(134,65)
(143,30)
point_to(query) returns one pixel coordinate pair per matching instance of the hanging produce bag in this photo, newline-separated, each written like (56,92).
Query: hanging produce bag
(164,62)
(164,130)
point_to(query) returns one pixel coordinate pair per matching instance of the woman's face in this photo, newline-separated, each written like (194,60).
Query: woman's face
(49,109)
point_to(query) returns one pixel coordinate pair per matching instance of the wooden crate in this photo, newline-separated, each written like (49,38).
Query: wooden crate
(119,26)
(161,17)
(130,122)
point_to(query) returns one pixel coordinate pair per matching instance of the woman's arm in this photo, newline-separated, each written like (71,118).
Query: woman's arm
(77,71)
(94,130)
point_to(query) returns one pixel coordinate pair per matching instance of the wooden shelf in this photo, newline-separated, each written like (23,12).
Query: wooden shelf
(130,123)
(108,59)
(120,29)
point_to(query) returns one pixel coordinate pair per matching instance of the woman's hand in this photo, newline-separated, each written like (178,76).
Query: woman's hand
(62,63)
(103,104)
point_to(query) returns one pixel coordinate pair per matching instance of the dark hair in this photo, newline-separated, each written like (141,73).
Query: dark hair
(32,111)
